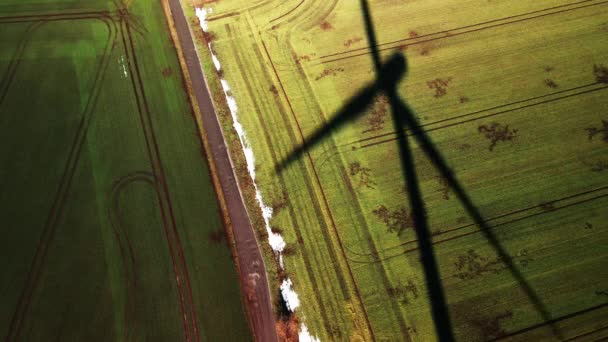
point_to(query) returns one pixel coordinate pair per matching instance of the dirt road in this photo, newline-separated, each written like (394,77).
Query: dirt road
(254,282)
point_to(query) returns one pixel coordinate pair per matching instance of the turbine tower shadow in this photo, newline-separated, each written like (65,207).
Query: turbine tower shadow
(388,75)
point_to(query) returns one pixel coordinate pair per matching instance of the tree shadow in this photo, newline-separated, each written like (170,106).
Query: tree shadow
(388,75)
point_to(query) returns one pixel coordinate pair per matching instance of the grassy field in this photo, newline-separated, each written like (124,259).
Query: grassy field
(111,227)
(514,96)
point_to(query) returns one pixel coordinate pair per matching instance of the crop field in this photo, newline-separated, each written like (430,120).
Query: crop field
(111,229)
(514,96)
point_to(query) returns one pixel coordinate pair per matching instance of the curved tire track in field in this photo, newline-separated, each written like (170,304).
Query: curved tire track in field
(11,70)
(288,12)
(306,19)
(125,245)
(182,277)
(54,217)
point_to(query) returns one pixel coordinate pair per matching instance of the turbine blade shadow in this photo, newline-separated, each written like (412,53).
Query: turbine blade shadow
(439,311)
(350,111)
(440,314)
(437,160)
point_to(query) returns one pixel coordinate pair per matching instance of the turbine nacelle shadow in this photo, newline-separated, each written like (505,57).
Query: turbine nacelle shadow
(392,71)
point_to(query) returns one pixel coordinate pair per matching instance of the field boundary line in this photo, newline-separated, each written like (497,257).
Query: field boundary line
(54,216)
(464,30)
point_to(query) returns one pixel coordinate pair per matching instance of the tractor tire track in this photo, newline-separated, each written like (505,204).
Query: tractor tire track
(11,70)
(173,240)
(125,245)
(58,205)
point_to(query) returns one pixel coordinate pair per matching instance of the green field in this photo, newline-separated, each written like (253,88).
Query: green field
(513,94)
(111,226)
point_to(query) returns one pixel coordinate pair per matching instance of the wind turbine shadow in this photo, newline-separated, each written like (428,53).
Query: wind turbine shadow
(388,75)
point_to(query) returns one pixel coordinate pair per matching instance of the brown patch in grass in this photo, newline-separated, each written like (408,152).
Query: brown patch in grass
(326,26)
(274,90)
(352,41)
(209,36)
(550,83)
(355,170)
(472,265)
(376,120)
(439,85)
(403,293)
(218,237)
(444,187)
(491,328)
(287,329)
(603,131)
(329,72)
(167,72)
(496,132)
(396,221)
(601,73)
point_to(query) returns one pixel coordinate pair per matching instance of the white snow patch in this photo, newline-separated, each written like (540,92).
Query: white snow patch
(275,240)
(289,295)
(216,61)
(305,336)
(202,13)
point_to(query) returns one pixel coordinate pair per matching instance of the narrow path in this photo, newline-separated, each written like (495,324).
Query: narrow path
(254,282)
